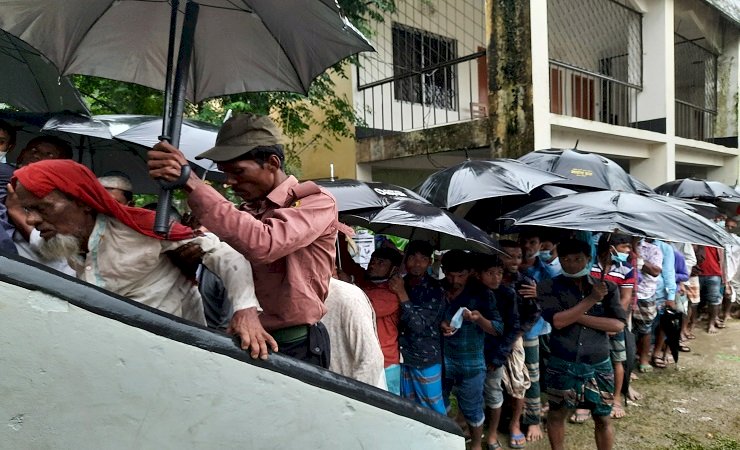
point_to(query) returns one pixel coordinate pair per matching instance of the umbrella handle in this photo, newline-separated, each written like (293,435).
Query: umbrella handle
(172,132)
(162,216)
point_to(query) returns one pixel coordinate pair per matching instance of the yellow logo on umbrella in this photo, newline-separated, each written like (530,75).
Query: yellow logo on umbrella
(581,172)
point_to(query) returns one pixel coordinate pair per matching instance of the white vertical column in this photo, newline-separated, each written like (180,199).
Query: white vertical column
(540,74)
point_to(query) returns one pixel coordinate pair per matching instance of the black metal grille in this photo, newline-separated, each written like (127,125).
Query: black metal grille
(598,36)
(696,89)
(414,52)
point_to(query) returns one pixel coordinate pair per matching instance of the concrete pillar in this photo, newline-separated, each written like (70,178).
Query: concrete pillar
(727,173)
(659,168)
(728,81)
(509,77)
(364,172)
(540,75)
(656,102)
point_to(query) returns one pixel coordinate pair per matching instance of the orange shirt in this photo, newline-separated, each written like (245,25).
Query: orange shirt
(291,247)
(387,315)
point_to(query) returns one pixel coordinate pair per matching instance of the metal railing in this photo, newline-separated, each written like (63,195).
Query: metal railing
(694,122)
(592,96)
(461,96)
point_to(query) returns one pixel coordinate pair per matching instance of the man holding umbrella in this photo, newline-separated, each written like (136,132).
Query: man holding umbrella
(286,229)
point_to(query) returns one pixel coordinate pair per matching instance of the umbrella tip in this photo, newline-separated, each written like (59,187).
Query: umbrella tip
(575,147)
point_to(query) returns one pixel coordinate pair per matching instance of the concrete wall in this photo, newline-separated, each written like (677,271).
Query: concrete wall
(72,379)
(316,159)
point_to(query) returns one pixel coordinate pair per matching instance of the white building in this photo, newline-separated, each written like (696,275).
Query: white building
(652,84)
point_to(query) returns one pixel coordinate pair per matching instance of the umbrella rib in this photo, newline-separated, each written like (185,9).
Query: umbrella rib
(35,79)
(94,22)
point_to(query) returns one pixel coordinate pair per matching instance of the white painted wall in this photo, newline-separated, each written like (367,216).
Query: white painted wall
(656,99)
(75,380)
(540,74)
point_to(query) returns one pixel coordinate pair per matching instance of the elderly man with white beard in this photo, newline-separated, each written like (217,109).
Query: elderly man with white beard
(113,246)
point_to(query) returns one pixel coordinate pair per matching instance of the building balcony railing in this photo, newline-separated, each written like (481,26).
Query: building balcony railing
(592,96)
(694,122)
(450,92)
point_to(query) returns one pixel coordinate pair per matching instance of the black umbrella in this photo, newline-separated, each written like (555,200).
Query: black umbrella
(355,194)
(670,323)
(620,212)
(583,169)
(412,219)
(697,188)
(474,180)
(704,209)
(484,213)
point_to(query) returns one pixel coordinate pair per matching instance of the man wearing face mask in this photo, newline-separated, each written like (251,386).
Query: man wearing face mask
(582,310)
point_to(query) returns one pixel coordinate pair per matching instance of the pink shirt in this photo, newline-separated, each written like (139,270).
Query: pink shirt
(290,244)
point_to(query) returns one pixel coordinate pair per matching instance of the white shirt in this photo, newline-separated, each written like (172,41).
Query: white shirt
(350,321)
(136,266)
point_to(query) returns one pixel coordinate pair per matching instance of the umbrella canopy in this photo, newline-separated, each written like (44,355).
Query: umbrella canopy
(697,188)
(93,144)
(704,209)
(29,82)
(621,212)
(475,180)
(354,195)
(583,169)
(239,46)
(413,219)
(196,136)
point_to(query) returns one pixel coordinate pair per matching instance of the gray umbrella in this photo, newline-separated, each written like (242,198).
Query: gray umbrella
(29,82)
(239,46)
(223,47)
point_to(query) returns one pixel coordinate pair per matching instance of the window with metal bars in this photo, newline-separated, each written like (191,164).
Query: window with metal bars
(419,67)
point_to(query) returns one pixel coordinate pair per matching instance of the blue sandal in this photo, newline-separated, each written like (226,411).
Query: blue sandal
(514,441)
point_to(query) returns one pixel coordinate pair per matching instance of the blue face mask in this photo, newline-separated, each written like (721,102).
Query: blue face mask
(580,274)
(545,255)
(620,257)
(721,223)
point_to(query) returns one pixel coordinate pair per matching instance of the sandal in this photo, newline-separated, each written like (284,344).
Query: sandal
(691,336)
(659,362)
(495,446)
(514,441)
(645,368)
(683,347)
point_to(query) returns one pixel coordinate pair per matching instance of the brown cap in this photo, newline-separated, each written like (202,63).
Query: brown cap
(241,134)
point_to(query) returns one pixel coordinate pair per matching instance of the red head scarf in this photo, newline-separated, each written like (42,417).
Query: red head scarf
(77,181)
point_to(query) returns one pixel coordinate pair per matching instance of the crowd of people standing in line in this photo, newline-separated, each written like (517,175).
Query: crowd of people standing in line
(565,314)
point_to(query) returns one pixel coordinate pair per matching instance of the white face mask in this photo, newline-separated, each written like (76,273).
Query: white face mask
(3,157)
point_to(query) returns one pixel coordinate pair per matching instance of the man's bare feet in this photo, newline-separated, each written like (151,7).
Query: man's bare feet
(633,395)
(534,433)
(618,411)
(711,329)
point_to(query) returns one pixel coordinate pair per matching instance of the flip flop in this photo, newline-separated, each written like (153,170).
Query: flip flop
(514,441)
(495,446)
(684,348)
(645,368)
